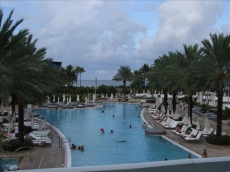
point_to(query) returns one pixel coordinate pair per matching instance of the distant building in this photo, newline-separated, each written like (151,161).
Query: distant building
(55,64)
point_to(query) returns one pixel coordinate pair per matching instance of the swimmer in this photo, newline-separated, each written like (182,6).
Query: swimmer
(113,115)
(144,125)
(121,141)
(130,126)
(111,131)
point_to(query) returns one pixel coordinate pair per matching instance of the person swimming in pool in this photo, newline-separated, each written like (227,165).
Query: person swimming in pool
(121,141)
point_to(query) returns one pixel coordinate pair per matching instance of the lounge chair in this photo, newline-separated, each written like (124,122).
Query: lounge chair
(194,132)
(208,132)
(171,126)
(197,138)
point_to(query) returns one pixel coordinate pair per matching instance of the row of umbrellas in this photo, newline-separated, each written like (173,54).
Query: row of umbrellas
(41,123)
(186,120)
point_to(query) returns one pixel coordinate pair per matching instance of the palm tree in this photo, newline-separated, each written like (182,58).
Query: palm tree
(80,70)
(184,63)
(214,69)
(24,69)
(123,74)
(137,79)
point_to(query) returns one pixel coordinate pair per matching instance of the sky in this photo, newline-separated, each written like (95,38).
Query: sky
(102,35)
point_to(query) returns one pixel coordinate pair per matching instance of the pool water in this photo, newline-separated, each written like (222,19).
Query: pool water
(83,126)
(6,163)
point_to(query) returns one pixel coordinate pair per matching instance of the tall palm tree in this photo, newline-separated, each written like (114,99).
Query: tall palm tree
(137,79)
(80,70)
(184,63)
(214,69)
(123,74)
(24,69)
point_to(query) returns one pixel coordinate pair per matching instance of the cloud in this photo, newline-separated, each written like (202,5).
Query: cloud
(181,22)
(101,36)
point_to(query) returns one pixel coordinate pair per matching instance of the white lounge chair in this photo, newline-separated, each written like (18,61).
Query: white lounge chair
(171,126)
(197,138)
(194,132)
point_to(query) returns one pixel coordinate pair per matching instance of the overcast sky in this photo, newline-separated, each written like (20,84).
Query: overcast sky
(101,36)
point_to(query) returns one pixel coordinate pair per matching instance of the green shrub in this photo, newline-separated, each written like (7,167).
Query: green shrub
(27,129)
(226,113)
(12,145)
(223,140)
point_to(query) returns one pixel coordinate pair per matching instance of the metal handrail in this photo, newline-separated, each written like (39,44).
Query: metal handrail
(23,148)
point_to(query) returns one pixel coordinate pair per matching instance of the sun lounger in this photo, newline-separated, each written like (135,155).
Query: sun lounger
(194,132)
(171,126)
(41,142)
(39,137)
(41,133)
(209,131)
(197,138)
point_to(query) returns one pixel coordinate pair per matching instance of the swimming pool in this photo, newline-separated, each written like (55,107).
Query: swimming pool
(83,127)
(6,163)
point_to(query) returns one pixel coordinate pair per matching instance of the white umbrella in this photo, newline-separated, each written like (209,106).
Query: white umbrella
(63,98)
(58,99)
(189,122)
(69,99)
(32,122)
(44,123)
(40,125)
(9,116)
(14,116)
(184,120)
(111,96)
(9,127)
(207,124)
(77,98)
(26,115)
(198,124)
(54,98)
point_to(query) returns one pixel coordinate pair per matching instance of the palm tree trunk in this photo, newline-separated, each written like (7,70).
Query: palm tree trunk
(174,102)
(80,79)
(21,120)
(166,100)
(190,107)
(219,113)
(124,87)
(13,102)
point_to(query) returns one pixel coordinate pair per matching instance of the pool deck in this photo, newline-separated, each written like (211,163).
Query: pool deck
(52,156)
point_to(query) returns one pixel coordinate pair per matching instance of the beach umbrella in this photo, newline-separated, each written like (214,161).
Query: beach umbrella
(77,98)
(111,96)
(189,122)
(63,98)
(58,99)
(40,125)
(26,115)
(44,123)
(198,124)
(176,115)
(207,124)
(54,98)
(14,117)
(9,116)
(69,99)
(9,127)
(32,122)
(184,120)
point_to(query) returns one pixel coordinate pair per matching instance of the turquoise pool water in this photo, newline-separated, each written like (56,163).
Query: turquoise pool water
(82,126)
(6,163)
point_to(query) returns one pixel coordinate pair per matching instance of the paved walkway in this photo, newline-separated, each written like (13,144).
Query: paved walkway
(198,147)
(41,156)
